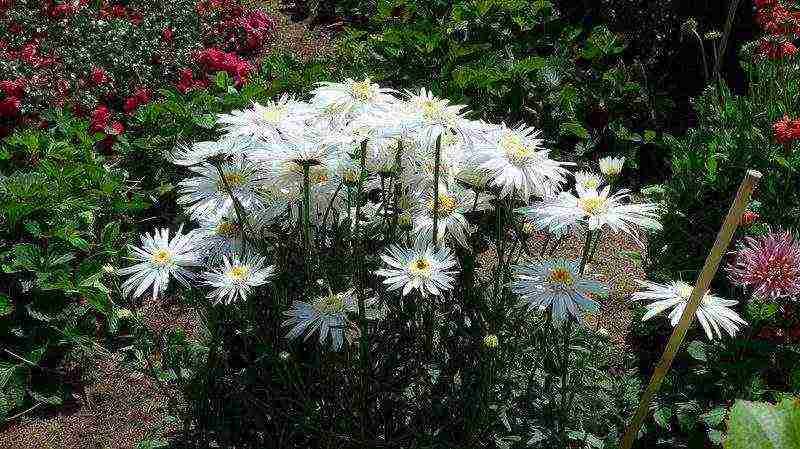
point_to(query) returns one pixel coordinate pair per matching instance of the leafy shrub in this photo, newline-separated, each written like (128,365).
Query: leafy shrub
(733,133)
(516,61)
(110,57)
(66,210)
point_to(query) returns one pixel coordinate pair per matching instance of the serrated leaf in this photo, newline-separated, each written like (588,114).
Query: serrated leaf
(575,129)
(5,305)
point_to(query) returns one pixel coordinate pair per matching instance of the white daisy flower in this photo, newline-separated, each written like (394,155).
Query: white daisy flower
(588,180)
(328,315)
(207,196)
(595,210)
(268,122)
(426,117)
(237,277)
(219,235)
(352,97)
(454,202)
(611,166)
(422,267)
(199,152)
(159,260)
(558,285)
(714,313)
(519,163)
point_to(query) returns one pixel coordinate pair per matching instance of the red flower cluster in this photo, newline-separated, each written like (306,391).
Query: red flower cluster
(140,97)
(13,91)
(247,32)
(775,19)
(188,83)
(786,131)
(106,91)
(101,122)
(776,48)
(781,25)
(215,60)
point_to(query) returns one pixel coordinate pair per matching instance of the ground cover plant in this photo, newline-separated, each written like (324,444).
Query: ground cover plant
(334,252)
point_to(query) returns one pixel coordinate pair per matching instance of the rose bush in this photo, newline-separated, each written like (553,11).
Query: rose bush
(105,59)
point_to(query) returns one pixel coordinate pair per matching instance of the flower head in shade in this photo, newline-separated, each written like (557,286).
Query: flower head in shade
(769,265)
(519,163)
(236,277)
(611,166)
(453,203)
(159,260)
(594,209)
(558,285)
(714,313)
(422,268)
(588,180)
(328,315)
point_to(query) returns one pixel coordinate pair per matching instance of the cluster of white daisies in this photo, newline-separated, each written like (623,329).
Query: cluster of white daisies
(290,161)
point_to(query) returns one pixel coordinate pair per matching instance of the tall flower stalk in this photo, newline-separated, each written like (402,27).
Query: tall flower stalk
(359,275)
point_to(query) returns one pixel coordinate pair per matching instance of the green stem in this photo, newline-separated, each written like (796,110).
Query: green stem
(587,245)
(362,313)
(237,208)
(436,190)
(307,219)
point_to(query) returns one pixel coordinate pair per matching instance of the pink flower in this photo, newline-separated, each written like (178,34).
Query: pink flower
(167,34)
(769,265)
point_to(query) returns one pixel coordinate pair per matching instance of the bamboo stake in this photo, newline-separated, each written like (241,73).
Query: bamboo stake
(701,287)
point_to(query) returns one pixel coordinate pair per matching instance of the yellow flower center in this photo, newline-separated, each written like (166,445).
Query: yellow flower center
(226,229)
(685,291)
(363,91)
(232,179)
(491,341)
(591,183)
(593,205)
(274,114)
(238,273)
(561,276)
(161,257)
(515,149)
(330,304)
(420,267)
(447,205)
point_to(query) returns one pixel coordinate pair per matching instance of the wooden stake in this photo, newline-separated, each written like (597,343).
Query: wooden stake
(724,237)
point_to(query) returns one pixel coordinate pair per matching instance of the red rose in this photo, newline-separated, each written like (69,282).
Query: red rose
(99,76)
(100,117)
(13,88)
(131,103)
(142,95)
(10,107)
(117,128)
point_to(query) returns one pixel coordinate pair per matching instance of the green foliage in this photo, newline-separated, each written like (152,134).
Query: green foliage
(733,134)
(766,426)
(66,211)
(513,61)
